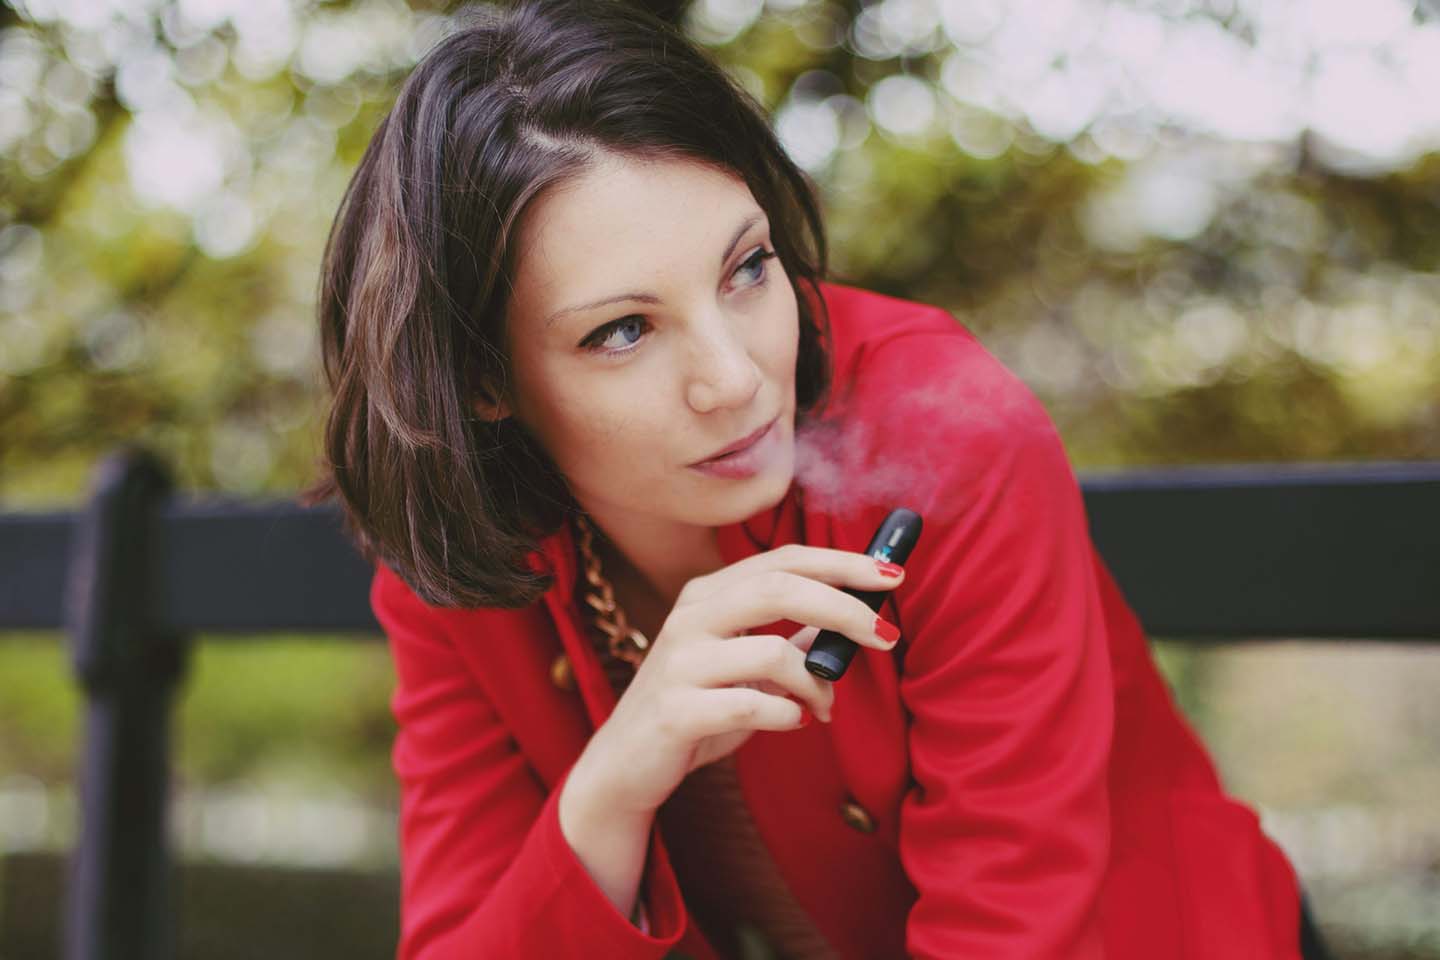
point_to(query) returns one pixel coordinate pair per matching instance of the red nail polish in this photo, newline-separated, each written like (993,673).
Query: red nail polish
(886,630)
(889,569)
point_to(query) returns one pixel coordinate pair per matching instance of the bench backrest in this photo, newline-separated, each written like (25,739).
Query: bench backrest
(1208,552)
(1227,553)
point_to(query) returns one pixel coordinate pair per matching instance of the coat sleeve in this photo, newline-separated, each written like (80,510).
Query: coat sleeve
(1005,665)
(485,868)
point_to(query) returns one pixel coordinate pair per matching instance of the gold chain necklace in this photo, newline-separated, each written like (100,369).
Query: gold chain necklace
(626,643)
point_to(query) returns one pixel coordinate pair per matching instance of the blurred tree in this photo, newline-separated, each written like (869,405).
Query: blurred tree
(1202,231)
(169,171)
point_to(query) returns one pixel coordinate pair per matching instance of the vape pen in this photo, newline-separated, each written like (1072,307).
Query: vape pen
(894,539)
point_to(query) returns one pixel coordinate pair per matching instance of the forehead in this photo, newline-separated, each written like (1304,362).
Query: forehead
(626,220)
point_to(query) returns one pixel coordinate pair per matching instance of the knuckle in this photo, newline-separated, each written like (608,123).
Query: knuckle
(679,661)
(773,586)
(776,652)
(790,552)
(746,710)
(692,588)
(679,622)
(672,714)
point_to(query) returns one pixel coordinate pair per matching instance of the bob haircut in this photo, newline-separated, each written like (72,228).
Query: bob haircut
(420,257)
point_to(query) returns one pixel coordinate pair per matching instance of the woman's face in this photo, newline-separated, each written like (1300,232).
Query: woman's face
(651,326)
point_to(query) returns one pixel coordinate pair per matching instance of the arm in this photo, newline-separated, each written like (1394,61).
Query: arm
(612,850)
(1006,674)
(487,870)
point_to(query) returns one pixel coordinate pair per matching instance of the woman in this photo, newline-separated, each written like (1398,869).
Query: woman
(572,269)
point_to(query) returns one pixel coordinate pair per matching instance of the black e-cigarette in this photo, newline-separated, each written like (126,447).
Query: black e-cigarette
(830,654)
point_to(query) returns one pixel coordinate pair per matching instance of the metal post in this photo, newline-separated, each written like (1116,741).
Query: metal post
(119,897)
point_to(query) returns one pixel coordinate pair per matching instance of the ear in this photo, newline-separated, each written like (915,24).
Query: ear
(488,405)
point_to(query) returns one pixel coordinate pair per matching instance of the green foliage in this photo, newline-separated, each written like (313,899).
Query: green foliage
(1173,296)
(41,707)
(309,710)
(176,308)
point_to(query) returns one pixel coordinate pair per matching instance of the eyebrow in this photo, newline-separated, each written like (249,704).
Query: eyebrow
(650,297)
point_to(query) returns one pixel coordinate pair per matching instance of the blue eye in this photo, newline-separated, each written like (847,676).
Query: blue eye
(595,343)
(756,262)
(596,340)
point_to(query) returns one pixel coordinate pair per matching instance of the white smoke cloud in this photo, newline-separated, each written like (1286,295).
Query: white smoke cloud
(894,442)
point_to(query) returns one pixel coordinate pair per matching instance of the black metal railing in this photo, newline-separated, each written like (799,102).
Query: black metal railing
(1203,554)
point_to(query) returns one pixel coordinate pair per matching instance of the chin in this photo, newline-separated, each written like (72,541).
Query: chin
(737,500)
(764,491)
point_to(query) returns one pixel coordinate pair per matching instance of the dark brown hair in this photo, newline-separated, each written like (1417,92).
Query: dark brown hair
(419,260)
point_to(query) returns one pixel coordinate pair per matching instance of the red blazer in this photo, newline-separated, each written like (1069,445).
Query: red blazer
(1012,781)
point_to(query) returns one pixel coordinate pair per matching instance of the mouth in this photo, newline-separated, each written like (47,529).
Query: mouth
(739,445)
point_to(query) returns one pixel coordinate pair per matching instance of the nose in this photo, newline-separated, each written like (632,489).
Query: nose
(723,372)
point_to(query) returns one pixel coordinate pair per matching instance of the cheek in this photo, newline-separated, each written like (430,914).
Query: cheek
(608,424)
(556,410)
(782,339)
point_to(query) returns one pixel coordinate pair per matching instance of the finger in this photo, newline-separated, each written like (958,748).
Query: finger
(782,595)
(766,686)
(838,568)
(768,660)
(804,639)
(724,710)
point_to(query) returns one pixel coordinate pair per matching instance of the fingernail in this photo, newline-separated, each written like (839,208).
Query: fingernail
(889,569)
(886,630)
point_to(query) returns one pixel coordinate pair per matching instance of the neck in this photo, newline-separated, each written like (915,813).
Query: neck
(652,563)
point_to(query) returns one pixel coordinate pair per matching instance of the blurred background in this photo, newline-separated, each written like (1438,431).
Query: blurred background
(1203,231)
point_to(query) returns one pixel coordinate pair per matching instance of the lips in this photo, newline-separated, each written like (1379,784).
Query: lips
(740,444)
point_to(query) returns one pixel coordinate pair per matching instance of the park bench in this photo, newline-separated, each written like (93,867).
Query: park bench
(1204,554)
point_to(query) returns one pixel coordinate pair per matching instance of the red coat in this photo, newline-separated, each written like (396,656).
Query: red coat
(1033,791)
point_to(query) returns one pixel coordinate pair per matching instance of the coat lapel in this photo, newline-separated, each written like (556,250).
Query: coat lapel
(565,612)
(794,782)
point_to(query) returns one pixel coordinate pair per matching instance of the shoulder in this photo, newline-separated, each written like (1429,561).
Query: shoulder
(393,601)
(918,360)
(452,649)
(860,317)
(923,415)
(913,378)
(408,619)
(405,616)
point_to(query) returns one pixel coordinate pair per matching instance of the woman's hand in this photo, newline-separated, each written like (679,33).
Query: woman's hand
(704,688)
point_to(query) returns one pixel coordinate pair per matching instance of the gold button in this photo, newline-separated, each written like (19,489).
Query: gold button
(562,674)
(857,816)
